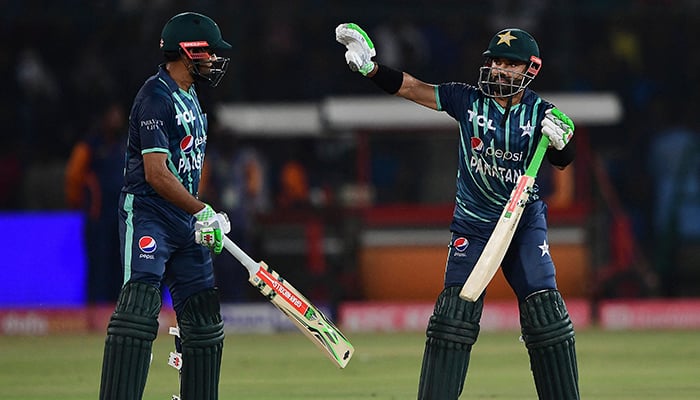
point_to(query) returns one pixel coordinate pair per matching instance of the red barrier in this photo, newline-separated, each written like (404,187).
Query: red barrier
(397,317)
(650,314)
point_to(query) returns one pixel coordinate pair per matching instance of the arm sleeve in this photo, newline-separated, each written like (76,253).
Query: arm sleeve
(452,98)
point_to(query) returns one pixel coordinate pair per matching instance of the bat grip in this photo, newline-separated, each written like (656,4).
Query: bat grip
(240,255)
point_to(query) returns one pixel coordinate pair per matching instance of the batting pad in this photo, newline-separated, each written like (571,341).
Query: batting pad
(549,337)
(130,334)
(452,330)
(202,341)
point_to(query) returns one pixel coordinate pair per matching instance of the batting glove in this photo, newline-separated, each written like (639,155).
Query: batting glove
(210,228)
(558,128)
(359,45)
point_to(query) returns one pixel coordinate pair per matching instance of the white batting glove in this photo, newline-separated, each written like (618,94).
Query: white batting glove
(558,128)
(359,45)
(210,228)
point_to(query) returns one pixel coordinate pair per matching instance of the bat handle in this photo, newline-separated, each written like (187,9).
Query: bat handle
(240,255)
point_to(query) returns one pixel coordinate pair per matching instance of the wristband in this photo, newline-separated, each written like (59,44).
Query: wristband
(563,157)
(388,79)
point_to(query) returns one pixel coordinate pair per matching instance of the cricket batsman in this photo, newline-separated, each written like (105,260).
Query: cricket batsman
(500,123)
(158,214)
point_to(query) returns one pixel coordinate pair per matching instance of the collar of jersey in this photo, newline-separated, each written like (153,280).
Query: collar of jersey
(528,98)
(165,77)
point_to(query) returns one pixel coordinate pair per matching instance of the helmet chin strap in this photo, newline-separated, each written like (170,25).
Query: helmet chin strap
(506,112)
(191,68)
(199,77)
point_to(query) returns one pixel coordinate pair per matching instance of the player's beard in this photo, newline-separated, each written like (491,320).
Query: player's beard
(504,85)
(210,71)
(495,82)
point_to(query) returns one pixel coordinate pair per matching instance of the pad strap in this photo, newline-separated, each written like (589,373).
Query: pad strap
(130,334)
(549,337)
(202,341)
(452,330)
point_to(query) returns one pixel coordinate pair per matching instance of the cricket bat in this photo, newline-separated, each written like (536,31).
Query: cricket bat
(495,249)
(309,319)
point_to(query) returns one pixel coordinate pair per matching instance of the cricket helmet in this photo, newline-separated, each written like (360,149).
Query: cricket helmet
(187,32)
(512,44)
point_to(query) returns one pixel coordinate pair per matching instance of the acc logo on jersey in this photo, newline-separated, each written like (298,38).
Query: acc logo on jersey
(187,143)
(477,145)
(460,244)
(147,244)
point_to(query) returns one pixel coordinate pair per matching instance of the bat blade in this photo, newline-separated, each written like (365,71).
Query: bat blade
(309,319)
(305,316)
(495,249)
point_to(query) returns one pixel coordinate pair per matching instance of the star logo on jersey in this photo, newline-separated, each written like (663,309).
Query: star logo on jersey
(505,37)
(527,129)
(545,248)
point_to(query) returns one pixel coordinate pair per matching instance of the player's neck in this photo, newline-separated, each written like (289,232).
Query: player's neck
(180,74)
(503,101)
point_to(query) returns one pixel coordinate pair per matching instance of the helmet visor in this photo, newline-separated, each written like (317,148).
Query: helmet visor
(206,65)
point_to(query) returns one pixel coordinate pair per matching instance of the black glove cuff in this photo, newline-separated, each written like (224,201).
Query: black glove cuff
(388,79)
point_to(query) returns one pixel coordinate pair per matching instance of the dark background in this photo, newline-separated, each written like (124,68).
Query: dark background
(65,61)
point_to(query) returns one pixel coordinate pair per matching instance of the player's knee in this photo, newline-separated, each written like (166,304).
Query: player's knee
(202,337)
(544,319)
(136,313)
(200,320)
(455,320)
(549,336)
(130,334)
(452,330)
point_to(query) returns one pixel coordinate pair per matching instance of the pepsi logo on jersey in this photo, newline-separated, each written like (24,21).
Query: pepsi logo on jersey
(147,245)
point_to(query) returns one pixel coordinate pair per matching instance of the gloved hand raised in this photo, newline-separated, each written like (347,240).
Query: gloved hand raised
(558,128)
(359,45)
(210,228)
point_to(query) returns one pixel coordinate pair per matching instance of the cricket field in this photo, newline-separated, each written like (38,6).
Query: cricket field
(615,365)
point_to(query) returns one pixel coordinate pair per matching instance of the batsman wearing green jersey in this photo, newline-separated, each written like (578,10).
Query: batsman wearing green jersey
(500,123)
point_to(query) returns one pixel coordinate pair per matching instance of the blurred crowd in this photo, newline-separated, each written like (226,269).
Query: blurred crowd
(71,58)
(70,63)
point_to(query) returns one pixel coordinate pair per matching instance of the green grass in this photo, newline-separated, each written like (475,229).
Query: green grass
(613,365)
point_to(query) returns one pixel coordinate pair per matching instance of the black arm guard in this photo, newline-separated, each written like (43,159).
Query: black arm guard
(563,157)
(388,79)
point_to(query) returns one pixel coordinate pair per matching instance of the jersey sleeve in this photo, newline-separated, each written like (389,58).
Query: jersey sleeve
(453,98)
(153,115)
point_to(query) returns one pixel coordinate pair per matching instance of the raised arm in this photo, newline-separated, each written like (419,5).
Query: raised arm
(360,51)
